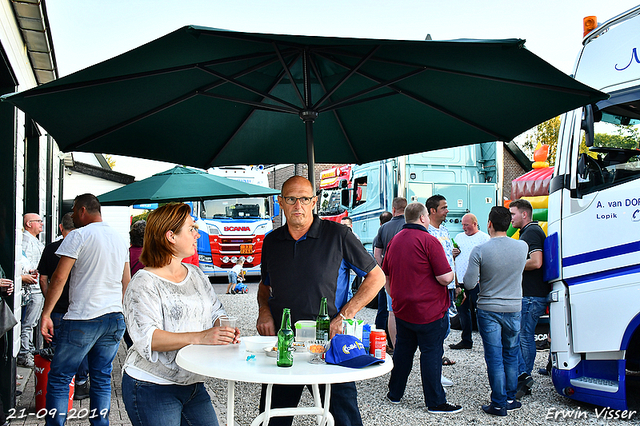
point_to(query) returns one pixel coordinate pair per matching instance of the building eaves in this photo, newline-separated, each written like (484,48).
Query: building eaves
(101,173)
(520,157)
(32,19)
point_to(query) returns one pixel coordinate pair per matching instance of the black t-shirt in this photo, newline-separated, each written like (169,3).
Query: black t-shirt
(47,266)
(533,285)
(301,272)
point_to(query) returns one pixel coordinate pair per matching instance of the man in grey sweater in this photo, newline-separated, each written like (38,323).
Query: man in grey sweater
(496,266)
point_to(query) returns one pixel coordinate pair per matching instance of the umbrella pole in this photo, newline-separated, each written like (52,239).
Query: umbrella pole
(308,117)
(311,159)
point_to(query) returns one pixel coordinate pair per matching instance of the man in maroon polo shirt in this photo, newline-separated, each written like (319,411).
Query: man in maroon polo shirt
(417,277)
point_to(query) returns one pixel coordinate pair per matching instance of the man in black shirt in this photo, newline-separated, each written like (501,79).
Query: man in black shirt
(302,261)
(534,290)
(46,268)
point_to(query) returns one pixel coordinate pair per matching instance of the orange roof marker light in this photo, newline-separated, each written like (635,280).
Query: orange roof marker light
(589,23)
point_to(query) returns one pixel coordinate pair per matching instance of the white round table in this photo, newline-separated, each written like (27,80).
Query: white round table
(230,363)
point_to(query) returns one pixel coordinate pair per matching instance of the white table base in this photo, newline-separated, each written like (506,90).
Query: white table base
(324,417)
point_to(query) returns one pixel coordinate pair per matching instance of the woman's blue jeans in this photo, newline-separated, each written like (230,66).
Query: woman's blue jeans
(499,331)
(98,339)
(150,404)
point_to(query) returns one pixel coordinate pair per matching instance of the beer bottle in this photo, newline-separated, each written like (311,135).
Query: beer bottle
(323,322)
(285,340)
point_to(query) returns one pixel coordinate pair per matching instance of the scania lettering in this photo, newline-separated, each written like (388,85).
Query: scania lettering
(592,252)
(233,228)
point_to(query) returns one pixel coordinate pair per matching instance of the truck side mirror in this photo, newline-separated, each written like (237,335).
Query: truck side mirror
(590,115)
(344,197)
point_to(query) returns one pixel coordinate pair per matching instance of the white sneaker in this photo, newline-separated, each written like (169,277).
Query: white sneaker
(445,381)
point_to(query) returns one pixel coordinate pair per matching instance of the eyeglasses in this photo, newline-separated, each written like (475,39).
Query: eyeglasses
(305,201)
(39,221)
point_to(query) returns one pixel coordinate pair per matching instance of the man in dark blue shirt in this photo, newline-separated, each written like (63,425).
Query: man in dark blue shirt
(303,261)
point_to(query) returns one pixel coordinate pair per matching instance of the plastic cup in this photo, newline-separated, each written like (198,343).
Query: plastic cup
(228,322)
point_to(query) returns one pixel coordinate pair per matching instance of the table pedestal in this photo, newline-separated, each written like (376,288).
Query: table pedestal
(323,415)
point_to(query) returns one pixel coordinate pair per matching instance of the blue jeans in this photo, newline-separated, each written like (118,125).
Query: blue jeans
(499,331)
(532,309)
(343,405)
(465,311)
(429,338)
(97,338)
(83,371)
(150,404)
(233,278)
(30,315)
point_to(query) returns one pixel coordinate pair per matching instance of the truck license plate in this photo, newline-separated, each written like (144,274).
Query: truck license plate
(246,249)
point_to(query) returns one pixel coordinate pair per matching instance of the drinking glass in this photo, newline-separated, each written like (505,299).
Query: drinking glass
(317,348)
(228,322)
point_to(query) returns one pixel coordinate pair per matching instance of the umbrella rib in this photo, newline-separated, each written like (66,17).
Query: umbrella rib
(352,71)
(257,104)
(418,99)
(461,73)
(380,85)
(224,146)
(125,123)
(287,70)
(336,115)
(86,84)
(248,88)
(201,90)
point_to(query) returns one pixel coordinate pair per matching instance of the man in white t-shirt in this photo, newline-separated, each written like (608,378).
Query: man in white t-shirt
(466,241)
(96,260)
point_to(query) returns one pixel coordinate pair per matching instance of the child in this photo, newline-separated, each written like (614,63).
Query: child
(233,276)
(241,287)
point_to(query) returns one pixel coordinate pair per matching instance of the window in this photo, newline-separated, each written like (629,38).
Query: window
(359,191)
(614,157)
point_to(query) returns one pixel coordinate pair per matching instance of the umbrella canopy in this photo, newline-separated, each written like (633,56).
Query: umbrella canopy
(181,184)
(206,97)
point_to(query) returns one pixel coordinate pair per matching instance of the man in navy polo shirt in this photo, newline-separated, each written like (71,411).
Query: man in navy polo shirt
(303,261)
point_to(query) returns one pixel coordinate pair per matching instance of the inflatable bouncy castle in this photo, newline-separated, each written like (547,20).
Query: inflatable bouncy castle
(534,187)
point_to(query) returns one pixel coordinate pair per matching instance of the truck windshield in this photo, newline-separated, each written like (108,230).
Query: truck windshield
(614,157)
(236,208)
(330,202)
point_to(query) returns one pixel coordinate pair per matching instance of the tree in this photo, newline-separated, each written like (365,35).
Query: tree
(545,133)
(625,137)
(110,160)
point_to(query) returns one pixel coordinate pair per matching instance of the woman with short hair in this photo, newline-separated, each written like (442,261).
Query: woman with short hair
(169,305)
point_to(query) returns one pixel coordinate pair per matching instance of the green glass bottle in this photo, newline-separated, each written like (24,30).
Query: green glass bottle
(285,340)
(323,321)
(455,245)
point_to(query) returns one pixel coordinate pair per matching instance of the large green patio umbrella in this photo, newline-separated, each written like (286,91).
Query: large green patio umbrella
(181,184)
(205,97)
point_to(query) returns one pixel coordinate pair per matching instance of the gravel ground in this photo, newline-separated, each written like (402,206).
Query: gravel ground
(471,386)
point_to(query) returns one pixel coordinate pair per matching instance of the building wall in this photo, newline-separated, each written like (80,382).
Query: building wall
(75,183)
(19,66)
(280,173)
(512,170)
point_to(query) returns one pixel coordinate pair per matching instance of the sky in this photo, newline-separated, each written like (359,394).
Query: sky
(86,32)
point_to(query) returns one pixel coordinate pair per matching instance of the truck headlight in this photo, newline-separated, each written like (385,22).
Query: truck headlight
(213,230)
